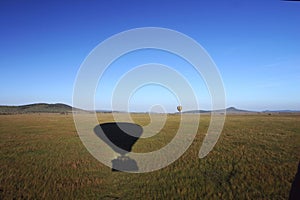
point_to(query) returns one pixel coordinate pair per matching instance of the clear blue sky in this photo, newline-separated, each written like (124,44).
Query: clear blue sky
(255,44)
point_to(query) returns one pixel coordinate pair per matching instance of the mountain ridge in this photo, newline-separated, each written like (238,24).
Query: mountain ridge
(228,110)
(64,108)
(36,108)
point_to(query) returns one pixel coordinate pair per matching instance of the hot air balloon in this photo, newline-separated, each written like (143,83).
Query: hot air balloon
(179,108)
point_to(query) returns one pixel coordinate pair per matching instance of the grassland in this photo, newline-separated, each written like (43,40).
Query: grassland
(42,157)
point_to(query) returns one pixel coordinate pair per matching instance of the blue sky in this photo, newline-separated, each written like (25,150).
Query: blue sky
(255,45)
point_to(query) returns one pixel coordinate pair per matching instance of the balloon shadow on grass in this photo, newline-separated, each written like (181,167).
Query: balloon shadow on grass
(120,136)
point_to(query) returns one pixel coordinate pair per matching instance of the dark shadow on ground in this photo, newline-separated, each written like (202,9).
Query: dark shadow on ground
(295,189)
(120,136)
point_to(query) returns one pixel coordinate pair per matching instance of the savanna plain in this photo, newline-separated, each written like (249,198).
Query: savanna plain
(256,157)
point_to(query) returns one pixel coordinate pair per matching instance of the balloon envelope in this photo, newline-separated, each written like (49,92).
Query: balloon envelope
(179,108)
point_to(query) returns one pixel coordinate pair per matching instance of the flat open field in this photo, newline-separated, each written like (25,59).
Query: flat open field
(256,157)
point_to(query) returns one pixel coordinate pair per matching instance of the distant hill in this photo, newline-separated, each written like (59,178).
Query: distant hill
(36,108)
(235,110)
(63,108)
(231,110)
(281,111)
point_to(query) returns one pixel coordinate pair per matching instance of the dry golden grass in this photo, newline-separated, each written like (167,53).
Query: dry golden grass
(42,157)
